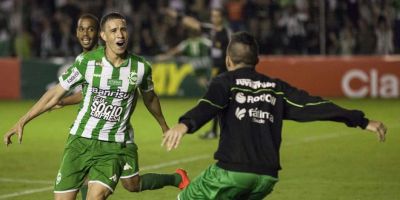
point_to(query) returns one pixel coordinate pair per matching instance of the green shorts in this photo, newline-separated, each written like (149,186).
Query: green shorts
(217,183)
(131,167)
(102,162)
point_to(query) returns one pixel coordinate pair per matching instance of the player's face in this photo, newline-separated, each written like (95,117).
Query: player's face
(216,17)
(115,36)
(87,33)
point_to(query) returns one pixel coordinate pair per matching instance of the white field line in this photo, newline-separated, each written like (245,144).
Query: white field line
(16,194)
(25,181)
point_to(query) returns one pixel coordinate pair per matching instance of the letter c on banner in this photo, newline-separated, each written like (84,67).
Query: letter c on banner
(355,93)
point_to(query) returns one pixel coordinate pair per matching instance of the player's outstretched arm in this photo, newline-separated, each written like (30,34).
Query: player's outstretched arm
(152,103)
(69,100)
(377,127)
(173,136)
(45,103)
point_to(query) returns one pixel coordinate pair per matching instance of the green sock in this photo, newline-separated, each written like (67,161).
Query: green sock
(157,181)
(84,190)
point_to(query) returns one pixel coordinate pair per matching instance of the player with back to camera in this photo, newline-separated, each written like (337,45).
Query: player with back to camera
(99,144)
(252,107)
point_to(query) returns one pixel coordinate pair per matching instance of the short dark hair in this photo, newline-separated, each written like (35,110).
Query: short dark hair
(110,16)
(92,17)
(243,48)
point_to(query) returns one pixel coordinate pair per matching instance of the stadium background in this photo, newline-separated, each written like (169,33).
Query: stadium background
(344,50)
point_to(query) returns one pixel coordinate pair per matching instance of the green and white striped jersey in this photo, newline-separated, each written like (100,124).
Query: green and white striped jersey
(108,94)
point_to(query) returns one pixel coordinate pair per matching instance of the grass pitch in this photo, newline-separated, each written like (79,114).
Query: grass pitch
(321,160)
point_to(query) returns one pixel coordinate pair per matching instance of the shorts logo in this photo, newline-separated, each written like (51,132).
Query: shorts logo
(127,167)
(240,113)
(59,176)
(240,98)
(113,178)
(132,78)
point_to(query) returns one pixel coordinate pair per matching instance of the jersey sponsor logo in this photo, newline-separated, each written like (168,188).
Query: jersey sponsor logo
(241,98)
(256,115)
(101,109)
(240,113)
(255,84)
(74,76)
(108,93)
(133,78)
(113,82)
(260,116)
(113,178)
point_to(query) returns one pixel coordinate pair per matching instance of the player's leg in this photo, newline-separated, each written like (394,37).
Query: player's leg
(108,162)
(73,169)
(132,182)
(264,187)
(84,190)
(217,183)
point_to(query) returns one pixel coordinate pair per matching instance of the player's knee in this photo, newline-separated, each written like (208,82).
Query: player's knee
(97,192)
(131,184)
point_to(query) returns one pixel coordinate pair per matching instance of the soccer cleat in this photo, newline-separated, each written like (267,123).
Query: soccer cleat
(185,179)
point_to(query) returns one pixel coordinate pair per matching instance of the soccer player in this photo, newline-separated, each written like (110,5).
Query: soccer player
(219,36)
(252,107)
(99,143)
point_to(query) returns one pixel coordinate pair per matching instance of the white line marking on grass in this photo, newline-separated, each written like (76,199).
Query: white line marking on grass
(174,162)
(25,181)
(6,196)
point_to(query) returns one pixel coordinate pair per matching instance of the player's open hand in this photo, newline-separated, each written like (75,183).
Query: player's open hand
(17,129)
(173,136)
(379,128)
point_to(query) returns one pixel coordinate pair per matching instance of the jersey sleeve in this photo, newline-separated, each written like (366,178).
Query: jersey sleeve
(303,107)
(147,81)
(215,100)
(73,76)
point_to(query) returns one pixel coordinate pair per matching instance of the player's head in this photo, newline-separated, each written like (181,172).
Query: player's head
(217,17)
(87,31)
(114,32)
(242,51)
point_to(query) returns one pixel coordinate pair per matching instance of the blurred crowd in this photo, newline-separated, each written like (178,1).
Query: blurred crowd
(46,28)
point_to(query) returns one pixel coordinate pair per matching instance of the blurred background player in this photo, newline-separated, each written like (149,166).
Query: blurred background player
(247,157)
(87,33)
(219,35)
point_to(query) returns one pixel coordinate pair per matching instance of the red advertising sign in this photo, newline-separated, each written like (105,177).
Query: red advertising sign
(354,77)
(9,78)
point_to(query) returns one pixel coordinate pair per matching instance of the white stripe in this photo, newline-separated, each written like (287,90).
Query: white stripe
(16,194)
(101,183)
(132,175)
(66,191)
(86,100)
(140,73)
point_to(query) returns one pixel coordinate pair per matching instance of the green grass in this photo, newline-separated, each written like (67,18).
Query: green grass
(321,160)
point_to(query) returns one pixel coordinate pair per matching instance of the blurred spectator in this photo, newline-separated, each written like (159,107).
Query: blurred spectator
(23,43)
(280,26)
(384,37)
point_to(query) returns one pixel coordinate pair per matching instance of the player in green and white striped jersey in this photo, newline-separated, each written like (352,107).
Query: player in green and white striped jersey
(97,146)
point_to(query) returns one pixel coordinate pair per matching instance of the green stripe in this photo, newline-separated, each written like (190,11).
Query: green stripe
(279,93)
(211,103)
(257,91)
(86,117)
